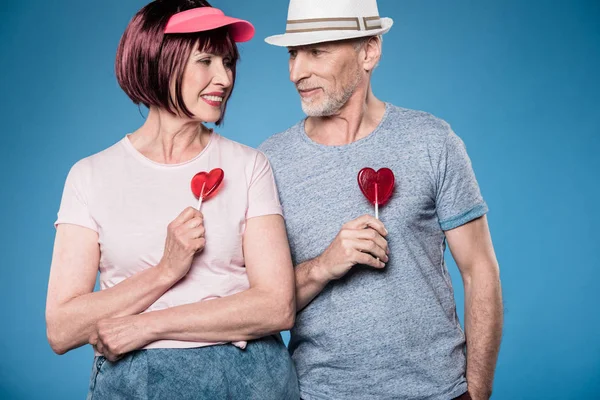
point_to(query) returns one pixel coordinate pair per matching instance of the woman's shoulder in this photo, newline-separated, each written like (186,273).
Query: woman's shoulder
(103,159)
(239,151)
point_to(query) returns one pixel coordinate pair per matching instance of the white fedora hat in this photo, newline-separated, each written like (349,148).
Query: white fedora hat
(316,21)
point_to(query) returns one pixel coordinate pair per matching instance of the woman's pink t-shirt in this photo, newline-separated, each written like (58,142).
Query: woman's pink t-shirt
(129,200)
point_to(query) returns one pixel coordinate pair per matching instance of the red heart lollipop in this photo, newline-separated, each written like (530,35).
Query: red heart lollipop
(376,186)
(205,184)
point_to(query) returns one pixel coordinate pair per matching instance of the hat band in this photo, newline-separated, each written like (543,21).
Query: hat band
(333,24)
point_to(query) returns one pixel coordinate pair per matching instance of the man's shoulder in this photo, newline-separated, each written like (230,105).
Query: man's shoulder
(420,124)
(282,140)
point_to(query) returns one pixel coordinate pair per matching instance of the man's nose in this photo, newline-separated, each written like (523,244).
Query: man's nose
(299,69)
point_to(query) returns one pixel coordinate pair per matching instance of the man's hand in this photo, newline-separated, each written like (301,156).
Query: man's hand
(360,241)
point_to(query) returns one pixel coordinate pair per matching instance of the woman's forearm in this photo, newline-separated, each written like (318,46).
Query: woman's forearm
(70,324)
(248,315)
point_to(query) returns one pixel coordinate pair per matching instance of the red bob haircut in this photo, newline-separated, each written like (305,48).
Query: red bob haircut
(149,63)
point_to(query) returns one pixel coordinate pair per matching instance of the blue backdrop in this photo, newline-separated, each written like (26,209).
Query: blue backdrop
(517,80)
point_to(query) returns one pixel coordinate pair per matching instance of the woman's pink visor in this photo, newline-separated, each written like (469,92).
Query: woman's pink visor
(207,18)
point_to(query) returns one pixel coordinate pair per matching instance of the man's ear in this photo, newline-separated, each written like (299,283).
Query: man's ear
(372,50)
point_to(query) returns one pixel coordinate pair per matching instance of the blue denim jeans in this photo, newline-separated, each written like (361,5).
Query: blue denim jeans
(263,371)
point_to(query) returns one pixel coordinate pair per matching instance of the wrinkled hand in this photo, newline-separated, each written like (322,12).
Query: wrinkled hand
(185,238)
(115,337)
(360,241)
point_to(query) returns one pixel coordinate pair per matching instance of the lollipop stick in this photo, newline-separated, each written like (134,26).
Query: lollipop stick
(201,197)
(376,207)
(376,203)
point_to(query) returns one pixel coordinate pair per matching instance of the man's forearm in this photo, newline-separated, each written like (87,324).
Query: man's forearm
(310,281)
(483,325)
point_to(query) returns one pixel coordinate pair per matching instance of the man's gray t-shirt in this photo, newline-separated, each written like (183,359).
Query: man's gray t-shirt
(391,333)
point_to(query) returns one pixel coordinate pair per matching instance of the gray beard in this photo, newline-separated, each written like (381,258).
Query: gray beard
(332,104)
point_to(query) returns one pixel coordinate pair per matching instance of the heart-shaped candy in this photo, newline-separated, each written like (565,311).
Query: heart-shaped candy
(383,180)
(205,184)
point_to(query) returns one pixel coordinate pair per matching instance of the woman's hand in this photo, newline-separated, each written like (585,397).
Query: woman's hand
(115,337)
(185,238)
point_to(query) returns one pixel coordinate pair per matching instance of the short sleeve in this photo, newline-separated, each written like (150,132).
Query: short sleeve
(74,206)
(458,198)
(262,192)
